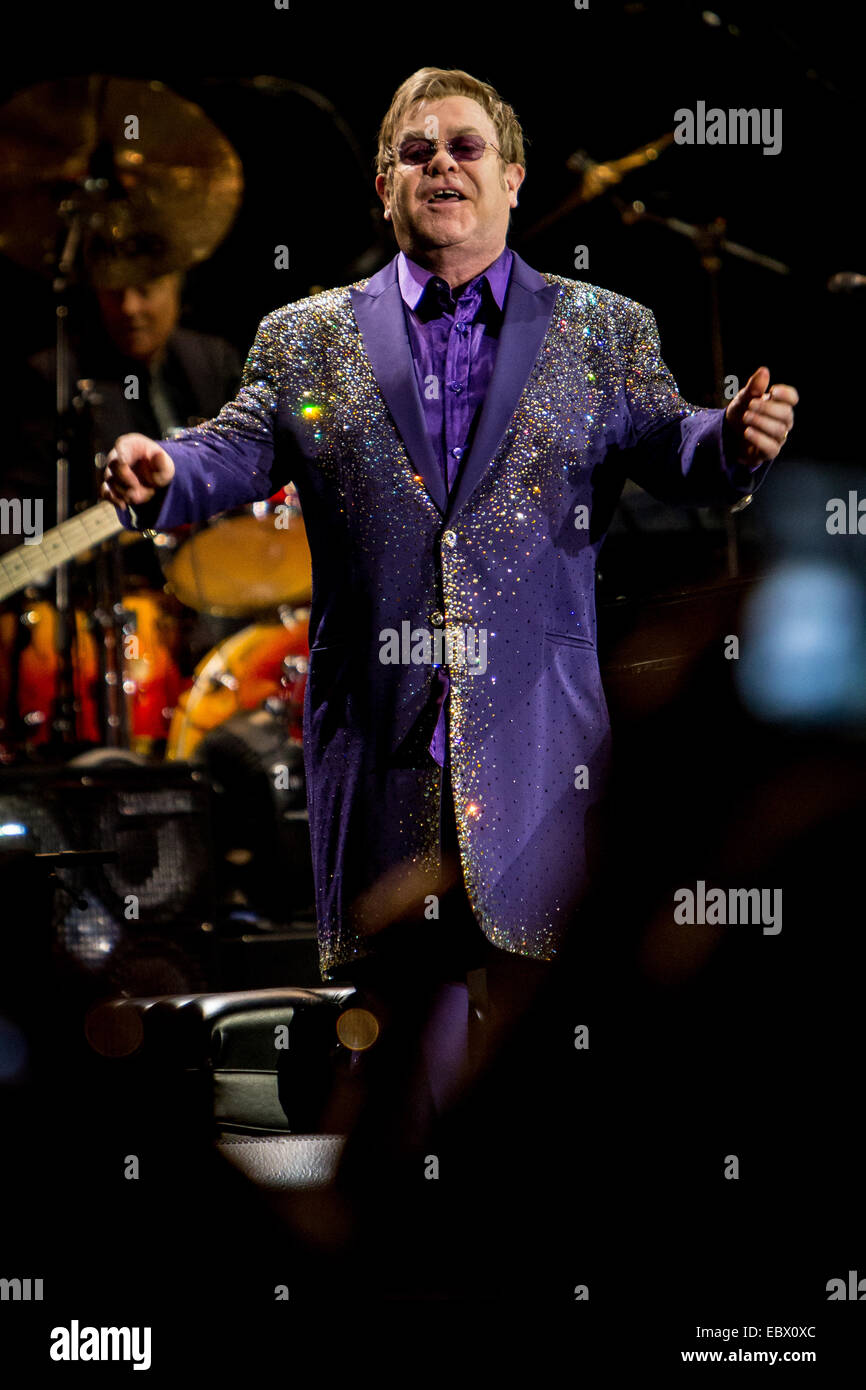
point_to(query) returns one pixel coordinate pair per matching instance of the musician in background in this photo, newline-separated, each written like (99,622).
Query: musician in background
(141,371)
(148,374)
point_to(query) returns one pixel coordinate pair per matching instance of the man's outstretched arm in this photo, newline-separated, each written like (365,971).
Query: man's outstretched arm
(223,463)
(700,457)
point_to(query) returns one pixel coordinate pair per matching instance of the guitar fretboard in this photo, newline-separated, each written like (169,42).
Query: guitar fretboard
(32,564)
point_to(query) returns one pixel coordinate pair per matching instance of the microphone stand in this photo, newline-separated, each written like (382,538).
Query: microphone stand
(63,727)
(108,613)
(711,244)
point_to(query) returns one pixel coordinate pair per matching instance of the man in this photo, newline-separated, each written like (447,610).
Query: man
(148,374)
(458,428)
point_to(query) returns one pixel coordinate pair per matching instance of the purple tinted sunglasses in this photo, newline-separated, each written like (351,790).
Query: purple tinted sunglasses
(463,148)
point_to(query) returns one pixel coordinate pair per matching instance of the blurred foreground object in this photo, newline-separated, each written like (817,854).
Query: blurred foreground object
(803,661)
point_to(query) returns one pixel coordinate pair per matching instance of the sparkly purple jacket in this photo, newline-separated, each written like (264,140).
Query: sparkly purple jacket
(504,569)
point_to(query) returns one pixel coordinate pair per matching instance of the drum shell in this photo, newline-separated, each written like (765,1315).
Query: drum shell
(241,673)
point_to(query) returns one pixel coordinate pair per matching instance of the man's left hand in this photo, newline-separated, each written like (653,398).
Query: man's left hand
(759,418)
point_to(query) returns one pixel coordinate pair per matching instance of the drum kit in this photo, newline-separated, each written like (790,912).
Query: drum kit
(102,178)
(236,566)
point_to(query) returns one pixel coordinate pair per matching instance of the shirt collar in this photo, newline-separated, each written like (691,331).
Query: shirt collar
(413,278)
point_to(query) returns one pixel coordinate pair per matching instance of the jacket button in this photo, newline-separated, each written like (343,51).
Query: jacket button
(437,618)
(450,539)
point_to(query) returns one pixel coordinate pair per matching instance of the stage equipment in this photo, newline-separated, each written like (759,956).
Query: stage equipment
(143,923)
(142,178)
(261,662)
(113,182)
(241,563)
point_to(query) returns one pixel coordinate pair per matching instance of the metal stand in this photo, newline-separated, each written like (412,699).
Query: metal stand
(711,244)
(75,435)
(63,729)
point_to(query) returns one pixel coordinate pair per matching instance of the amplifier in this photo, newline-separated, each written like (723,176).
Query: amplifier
(145,921)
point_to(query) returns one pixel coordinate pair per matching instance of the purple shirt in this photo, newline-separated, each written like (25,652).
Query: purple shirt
(453,349)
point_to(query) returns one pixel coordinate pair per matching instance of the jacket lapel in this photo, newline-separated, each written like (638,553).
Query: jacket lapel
(379,315)
(528,308)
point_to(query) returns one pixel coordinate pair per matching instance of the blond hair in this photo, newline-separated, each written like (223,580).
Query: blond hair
(430,84)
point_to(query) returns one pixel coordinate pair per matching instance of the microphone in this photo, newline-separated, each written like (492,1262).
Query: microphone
(845,281)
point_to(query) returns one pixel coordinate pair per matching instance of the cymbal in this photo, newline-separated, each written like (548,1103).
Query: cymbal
(157,183)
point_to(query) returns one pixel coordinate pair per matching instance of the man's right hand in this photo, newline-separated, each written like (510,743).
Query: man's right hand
(134,469)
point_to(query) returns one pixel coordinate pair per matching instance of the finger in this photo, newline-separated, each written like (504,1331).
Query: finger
(755,388)
(124,474)
(131,449)
(785,393)
(765,444)
(115,484)
(121,448)
(111,496)
(770,409)
(771,429)
(773,424)
(758,382)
